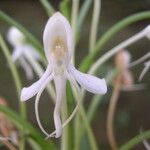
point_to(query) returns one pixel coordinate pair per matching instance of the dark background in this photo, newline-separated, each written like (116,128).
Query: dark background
(133,109)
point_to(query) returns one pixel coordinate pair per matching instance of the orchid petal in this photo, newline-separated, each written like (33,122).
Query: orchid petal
(60,85)
(27,68)
(29,50)
(37,102)
(57,26)
(32,90)
(17,52)
(89,82)
(15,37)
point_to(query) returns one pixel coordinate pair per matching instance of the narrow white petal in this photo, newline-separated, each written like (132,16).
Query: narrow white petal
(32,90)
(26,67)
(57,26)
(17,52)
(37,102)
(29,50)
(60,85)
(89,82)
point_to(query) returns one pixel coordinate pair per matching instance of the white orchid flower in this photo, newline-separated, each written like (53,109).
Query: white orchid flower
(21,51)
(58,46)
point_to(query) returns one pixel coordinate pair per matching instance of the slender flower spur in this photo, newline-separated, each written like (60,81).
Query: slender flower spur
(58,46)
(22,51)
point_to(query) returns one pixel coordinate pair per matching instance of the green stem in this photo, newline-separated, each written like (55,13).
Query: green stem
(84,10)
(77,132)
(89,59)
(65,8)
(78,97)
(91,137)
(95,102)
(64,141)
(17,83)
(94,25)
(75,7)
(136,140)
(14,74)
(28,35)
(48,7)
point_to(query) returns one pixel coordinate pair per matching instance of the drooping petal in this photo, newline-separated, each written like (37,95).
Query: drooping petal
(89,82)
(60,85)
(37,102)
(32,90)
(29,50)
(57,27)
(27,68)
(17,52)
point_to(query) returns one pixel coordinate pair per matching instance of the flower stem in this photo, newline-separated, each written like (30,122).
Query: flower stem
(135,140)
(78,97)
(75,7)
(95,19)
(14,74)
(84,10)
(17,81)
(64,141)
(110,116)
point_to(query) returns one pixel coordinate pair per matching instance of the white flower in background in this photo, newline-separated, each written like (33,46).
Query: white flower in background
(22,52)
(58,46)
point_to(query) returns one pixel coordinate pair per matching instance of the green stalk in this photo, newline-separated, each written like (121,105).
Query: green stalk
(89,59)
(94,25)
(47,6)
(78,97)
(84,10)
(29,36)
(17,83)
(65,8)
(75,8)
(135,141)
(95,102)
(91,137)
(65,140)
(14,74)
(77,132)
